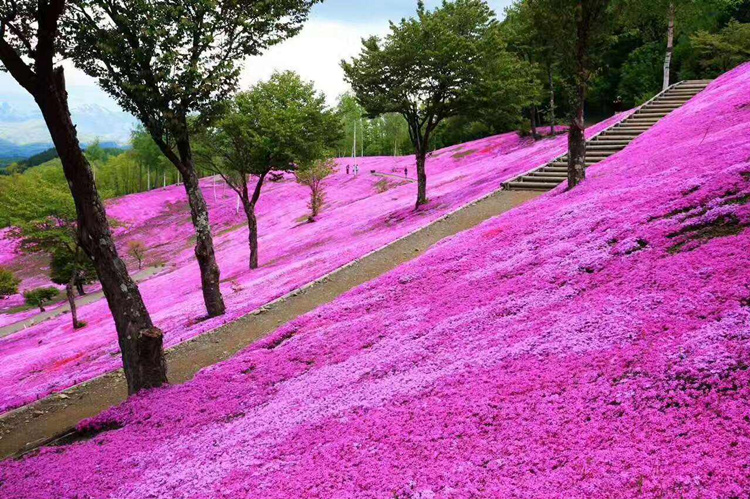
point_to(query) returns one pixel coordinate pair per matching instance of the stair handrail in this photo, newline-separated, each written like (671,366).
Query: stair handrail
(639,108)
(504,185)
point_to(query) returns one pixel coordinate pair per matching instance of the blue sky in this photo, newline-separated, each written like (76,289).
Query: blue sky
(333,33)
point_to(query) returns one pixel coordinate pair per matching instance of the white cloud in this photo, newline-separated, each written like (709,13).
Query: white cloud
(315,54)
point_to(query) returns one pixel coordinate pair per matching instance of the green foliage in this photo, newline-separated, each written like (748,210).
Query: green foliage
(8,283)
(641,75)
(40,297)
(37,197)
(40,211)
(427,67)
(164,60)
(275,126)
(384,135)
(71,267)
(720,52)
(153,166)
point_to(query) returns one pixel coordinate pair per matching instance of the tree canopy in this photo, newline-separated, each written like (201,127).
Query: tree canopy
(426,69)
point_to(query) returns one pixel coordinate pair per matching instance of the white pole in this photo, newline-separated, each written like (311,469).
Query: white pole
(237,206)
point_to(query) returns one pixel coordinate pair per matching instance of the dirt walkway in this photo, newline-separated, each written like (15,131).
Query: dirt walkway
(39,423)
(140,276)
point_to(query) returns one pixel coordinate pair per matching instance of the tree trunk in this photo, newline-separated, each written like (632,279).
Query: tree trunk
(421,178)
(551,100)
(576,137)
(72,303)
(140,342)
(79,288)
(534,133)
(252,233)
(204,244)
(670,44)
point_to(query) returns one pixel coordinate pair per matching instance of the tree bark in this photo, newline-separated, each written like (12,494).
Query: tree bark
(204,244)
(249,203)
(72,302)
(534,133)
(576,137)
(670,44)
(421,178)
(551,100)
(140,342)
(79,288)
(252,236)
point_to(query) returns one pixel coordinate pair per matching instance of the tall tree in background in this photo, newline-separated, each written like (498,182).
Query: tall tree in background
(533,34)
(669,15)
(275,126)
(164,61)
(586,22)
(591,23)
(30,42)
(426,69)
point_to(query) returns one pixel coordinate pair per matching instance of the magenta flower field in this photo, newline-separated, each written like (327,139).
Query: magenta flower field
(592,343)
(362,214)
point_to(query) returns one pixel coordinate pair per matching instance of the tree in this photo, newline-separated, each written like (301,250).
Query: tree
(720,52)
(149,157)
(40,297)
(72,267)
(30,42)
(71,270)
(312,176)
(137,250)
(275,126)
(693,15)
(425,69)
(8,283)
(533,34)
(164,61)
(587,24)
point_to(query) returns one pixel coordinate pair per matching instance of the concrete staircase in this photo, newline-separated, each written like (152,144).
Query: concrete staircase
(613,139)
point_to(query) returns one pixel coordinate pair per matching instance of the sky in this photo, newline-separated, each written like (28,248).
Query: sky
(332,33)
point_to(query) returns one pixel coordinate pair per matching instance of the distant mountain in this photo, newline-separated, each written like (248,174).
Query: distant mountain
(23,132)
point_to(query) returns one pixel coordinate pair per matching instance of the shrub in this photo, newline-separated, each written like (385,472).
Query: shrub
(137,250)
(8,283)
(40,296)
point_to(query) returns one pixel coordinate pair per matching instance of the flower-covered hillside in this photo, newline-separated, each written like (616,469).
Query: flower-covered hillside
(592,343)
(362,213)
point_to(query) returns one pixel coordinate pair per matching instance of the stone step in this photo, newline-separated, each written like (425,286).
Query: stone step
(644,121)
(657,108)
(530,186)
(621,134)
(613,140)
(562,164)
(548,175)
(678,101)
(600,151)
